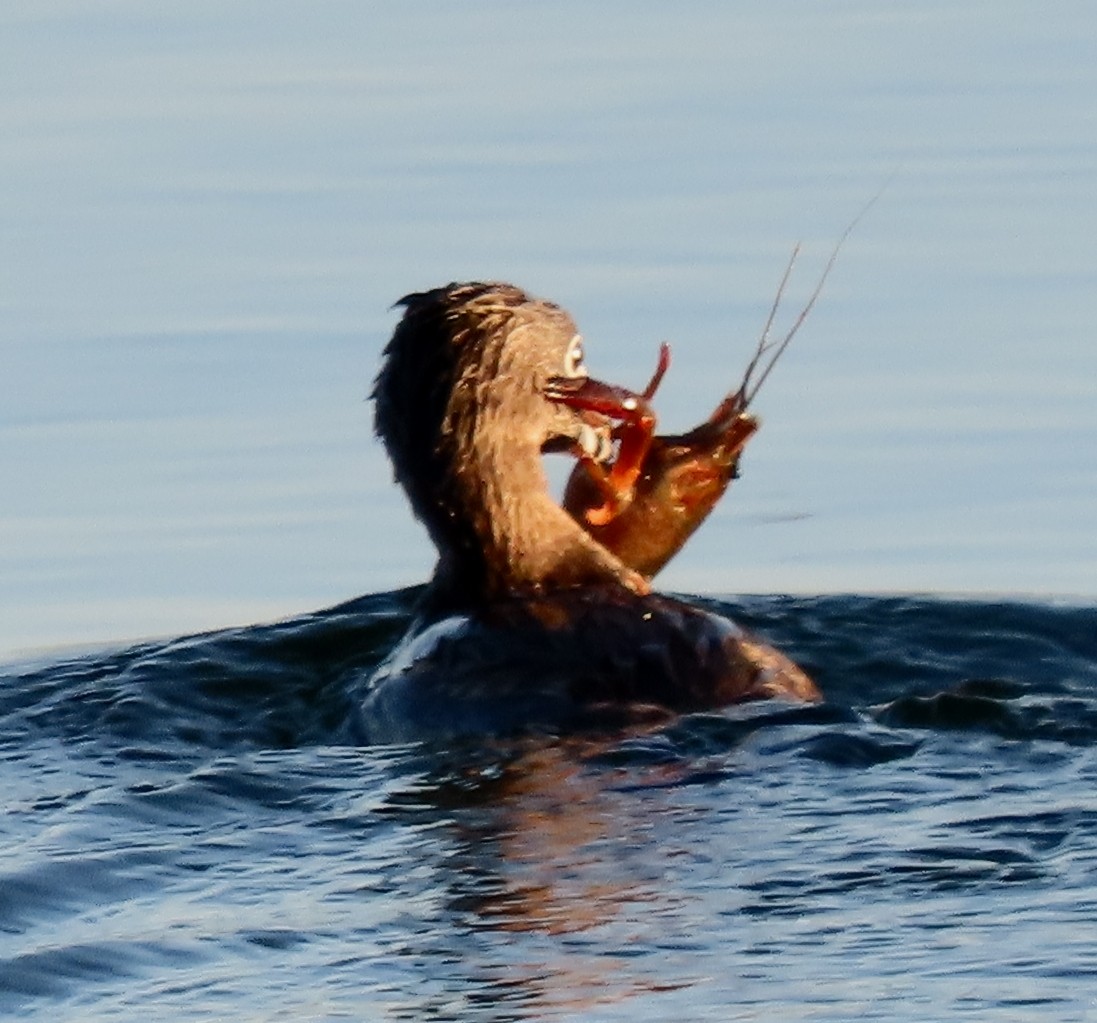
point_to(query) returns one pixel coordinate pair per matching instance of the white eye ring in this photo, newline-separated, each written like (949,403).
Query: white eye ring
(573,358)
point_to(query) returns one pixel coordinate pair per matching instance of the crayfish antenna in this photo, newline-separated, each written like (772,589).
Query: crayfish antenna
(747,391)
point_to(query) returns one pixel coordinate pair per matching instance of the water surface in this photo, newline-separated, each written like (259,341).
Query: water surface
(187,834)
(205,215)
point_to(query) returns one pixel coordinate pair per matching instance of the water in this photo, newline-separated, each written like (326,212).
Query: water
(205,214)
(185,835)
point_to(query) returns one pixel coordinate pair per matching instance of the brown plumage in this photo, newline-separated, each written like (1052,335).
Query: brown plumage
(530,621)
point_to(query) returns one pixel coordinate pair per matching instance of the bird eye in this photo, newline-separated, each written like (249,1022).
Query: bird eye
(573,359)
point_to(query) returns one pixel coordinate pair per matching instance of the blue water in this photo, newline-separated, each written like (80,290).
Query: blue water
(206,211)
(186,837)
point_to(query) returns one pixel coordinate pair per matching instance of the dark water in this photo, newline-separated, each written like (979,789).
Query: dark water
(186,838)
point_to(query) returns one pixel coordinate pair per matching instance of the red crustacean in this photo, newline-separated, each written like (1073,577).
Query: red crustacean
(647,510)
(659,489)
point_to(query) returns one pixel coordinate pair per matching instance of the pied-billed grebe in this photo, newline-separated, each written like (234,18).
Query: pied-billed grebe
(535,619)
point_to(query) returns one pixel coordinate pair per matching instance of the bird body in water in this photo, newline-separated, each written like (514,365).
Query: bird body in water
(540,617)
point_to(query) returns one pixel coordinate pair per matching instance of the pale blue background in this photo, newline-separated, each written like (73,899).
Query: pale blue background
(206,211)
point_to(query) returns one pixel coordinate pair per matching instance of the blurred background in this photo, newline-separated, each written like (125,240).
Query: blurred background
(207,211)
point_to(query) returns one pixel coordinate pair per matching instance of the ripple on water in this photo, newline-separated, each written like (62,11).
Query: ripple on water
(186,829)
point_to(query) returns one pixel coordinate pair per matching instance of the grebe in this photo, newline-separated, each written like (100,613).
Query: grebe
(540,617)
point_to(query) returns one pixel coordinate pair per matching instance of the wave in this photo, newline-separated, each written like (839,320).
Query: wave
(1018,670)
